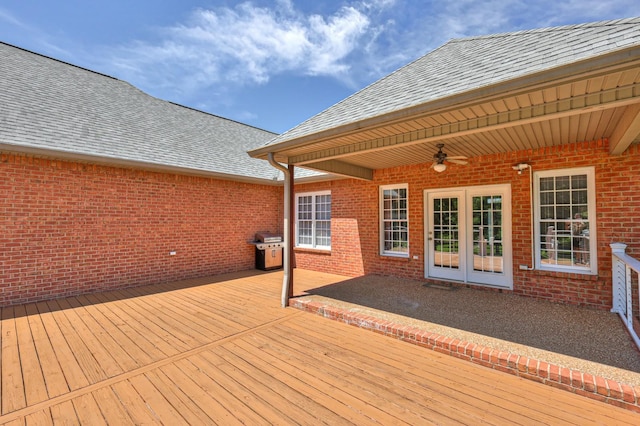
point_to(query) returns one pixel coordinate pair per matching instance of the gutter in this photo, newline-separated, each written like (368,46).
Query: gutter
(287,280)
(114,161)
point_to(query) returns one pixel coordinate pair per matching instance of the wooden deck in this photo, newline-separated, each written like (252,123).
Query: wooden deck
(222,351)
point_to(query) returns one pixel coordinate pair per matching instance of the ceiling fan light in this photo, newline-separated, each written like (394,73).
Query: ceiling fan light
(440,167)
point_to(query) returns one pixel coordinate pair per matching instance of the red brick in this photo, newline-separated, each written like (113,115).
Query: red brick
(81,228)
(601,386)
(355,210)
(554,373)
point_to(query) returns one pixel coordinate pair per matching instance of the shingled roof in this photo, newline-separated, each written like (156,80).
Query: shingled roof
(466,65)
(51,108)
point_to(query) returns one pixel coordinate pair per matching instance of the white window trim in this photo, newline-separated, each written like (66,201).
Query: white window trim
(592,269)
(384,252)
(313,232)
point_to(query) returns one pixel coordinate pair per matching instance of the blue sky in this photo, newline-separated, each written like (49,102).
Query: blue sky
(270,64)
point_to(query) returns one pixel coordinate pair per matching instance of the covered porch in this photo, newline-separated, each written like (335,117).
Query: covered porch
(221,350)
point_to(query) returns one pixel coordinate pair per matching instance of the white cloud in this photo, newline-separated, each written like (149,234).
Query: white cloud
(248,45)
(220,49)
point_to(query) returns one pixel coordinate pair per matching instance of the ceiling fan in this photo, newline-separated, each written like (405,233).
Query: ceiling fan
(440,157)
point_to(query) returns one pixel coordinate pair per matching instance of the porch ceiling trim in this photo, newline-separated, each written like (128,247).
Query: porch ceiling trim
(341,168)
(612,98)
(627,130)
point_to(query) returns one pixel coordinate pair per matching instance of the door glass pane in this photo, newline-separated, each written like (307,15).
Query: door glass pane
(487,234)
(445,233)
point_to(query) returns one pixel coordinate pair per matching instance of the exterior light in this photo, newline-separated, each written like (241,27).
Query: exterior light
(520,167)
(440,167)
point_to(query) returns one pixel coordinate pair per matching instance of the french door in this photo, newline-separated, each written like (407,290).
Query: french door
(468,235)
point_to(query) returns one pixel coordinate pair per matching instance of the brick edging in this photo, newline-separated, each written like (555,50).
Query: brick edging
(575,381)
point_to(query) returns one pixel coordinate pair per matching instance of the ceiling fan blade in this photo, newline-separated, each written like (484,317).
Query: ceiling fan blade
(455,161)
(457,157)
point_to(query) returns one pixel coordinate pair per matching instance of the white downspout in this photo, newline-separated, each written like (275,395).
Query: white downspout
(533,221)
(286,281)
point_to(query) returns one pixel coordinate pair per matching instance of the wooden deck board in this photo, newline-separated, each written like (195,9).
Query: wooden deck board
(13,396)
(304,383)
(243,388)
(207,403)
(73,372)
(34,385)
(137,409)
(458,388)
(208,380)
(226,353)
(111,407)
(141,332)
(368,351)
(118,332)
(39,418)
(103,339)
(92,370)
(56,383)
(64,414)
(360,384)
(274,382)
(183,404)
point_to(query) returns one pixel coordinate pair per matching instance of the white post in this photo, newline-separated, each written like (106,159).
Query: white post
(618,278)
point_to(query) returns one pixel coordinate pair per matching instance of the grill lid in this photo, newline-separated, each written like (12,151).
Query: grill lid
(268,237)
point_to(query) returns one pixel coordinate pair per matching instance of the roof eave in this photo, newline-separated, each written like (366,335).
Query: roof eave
(130,164)
(626,57)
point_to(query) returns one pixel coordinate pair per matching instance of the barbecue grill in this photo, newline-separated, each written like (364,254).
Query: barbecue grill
(268,251)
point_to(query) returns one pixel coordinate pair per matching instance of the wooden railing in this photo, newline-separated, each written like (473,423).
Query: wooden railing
(626,272)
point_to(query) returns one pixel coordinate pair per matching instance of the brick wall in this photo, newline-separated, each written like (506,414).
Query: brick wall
(355,218)
(68,228)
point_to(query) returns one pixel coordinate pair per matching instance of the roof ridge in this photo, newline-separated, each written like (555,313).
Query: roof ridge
(209,113)
(59,61)
(605,23)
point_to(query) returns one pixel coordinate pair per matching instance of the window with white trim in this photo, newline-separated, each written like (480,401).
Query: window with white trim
(313,220)
(394,220)
(564,202)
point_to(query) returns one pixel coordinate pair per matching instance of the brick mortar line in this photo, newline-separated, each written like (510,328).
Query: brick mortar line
(575,381)
(6,418)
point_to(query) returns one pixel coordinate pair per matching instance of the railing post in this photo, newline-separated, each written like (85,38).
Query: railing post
(618,278)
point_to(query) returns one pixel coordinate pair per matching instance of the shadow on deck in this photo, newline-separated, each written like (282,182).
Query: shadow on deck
(565,346)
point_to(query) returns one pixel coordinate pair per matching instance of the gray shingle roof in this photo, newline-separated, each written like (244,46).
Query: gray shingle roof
(48,105)
(467,64)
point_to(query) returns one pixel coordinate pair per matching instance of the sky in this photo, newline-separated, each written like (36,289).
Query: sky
(269,64)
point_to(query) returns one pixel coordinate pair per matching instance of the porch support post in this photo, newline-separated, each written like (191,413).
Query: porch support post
(290,238)
(287,279)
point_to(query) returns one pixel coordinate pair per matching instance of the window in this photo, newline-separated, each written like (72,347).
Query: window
(564,217)
(394,220)
(313,220)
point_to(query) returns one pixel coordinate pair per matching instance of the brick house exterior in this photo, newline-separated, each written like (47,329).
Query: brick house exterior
(70,228)
(103,183)
(548,124)
(105,187)
(354,214)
